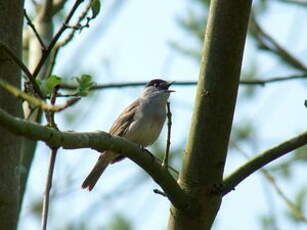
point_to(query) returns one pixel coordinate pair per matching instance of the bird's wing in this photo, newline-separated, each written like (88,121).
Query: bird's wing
(120,126)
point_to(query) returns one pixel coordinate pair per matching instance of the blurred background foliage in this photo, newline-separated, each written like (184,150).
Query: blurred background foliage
(120,197)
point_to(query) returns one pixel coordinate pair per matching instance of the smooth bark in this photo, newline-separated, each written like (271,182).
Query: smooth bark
(11,18)
(205,153)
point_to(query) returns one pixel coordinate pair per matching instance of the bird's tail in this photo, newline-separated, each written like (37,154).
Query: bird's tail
(102,163)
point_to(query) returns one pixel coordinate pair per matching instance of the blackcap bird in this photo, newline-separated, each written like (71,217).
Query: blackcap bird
(141,122)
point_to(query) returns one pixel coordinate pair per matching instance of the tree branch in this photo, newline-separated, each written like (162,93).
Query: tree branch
(261,82)
(36,101)
(34,30)
(23,67)
(261,160)
(207,145)
(169,130)
(273,79)
(100,141)
(69,37)
(267,42)
(56,38)
(48,187)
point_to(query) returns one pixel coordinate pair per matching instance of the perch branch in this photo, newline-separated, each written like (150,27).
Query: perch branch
(100,141)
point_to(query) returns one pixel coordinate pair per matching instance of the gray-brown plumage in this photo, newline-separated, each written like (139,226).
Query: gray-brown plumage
(141,122)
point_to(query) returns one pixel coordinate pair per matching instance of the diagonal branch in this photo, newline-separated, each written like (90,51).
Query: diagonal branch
(23,67)
(56,38)
(267,42)
(69,37)
(34,30)
(261,160)
(100,141)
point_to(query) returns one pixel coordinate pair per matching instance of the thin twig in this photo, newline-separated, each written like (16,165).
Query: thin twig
(34,30)
(50,114)
(36,101)
(69,37)
(48,187)
(56,38)
(24,68)
(169,129)
(52,124)
(274,79)
(295,210)
(260,82)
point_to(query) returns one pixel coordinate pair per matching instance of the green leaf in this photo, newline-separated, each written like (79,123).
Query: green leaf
(85,84)
(95,7)
(48,85)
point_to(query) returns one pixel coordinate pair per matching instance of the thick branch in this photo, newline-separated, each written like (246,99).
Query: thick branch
(100,141)
(262,159)
(216,92)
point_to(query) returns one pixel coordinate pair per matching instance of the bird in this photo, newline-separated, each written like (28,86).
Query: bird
(141,122)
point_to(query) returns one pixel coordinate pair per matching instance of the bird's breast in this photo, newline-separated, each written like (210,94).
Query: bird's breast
(147,124)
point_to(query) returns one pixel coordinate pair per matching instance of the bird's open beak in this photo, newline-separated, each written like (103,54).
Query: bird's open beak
(168,84)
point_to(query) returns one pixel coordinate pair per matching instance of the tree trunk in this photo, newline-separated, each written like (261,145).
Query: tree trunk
(11,19)
(205,153)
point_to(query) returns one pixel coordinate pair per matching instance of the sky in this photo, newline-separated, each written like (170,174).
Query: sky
(133,45)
